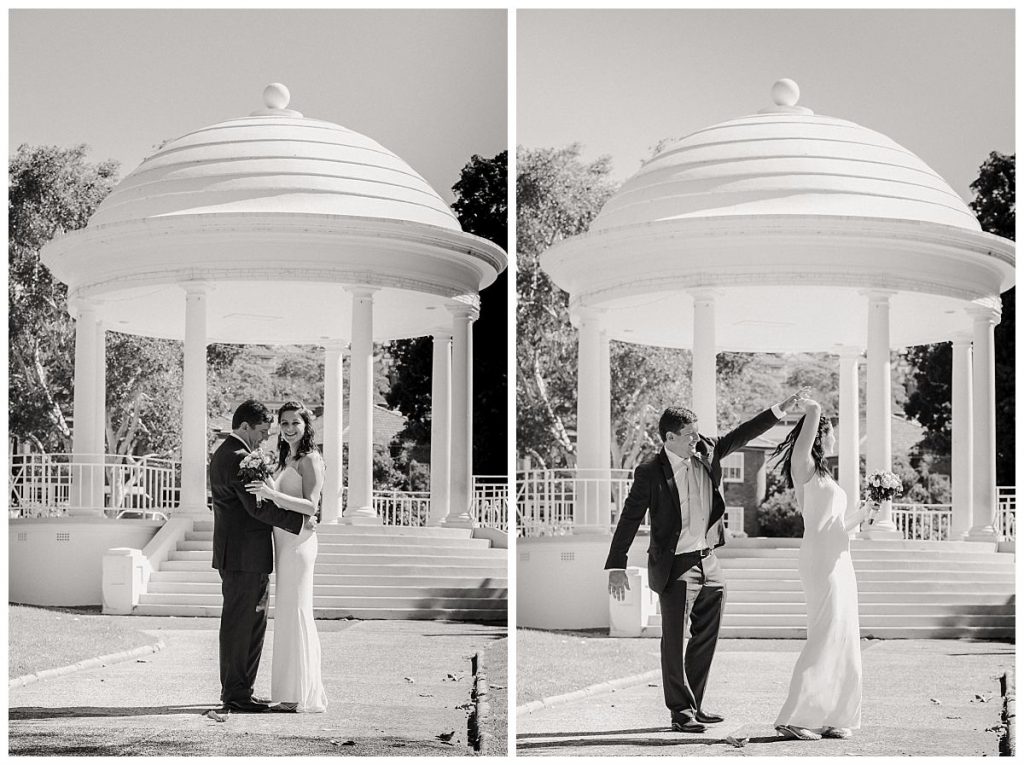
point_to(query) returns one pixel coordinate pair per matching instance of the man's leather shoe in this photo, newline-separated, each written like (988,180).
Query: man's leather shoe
(260,700)
(687,725)
(708,717)
(248,707)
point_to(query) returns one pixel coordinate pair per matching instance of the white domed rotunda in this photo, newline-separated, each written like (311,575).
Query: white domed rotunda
(278,228)
(787,231)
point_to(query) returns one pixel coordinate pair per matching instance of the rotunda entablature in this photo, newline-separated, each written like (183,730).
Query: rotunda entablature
(758,211)
(280,204)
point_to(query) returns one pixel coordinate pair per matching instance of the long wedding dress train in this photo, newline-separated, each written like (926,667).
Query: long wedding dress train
(295,673)
(825,691)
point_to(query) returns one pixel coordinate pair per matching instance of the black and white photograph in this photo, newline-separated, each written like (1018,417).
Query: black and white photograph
(258,413)
(765,418)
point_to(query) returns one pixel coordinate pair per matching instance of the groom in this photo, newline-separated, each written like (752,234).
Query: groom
(243,553)
(681,486)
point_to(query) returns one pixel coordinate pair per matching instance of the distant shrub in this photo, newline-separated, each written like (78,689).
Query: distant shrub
(779,516)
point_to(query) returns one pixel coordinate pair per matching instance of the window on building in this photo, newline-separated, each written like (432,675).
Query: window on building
(734,521)
(732,468)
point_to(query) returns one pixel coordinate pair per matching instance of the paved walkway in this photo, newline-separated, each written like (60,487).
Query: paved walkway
(919,699)
(393,687)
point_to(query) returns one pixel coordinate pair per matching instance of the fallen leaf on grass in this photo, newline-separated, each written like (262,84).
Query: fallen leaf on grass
(453,678)
(213,714)
(343,743)
(409,680)
(935,701)
(954,717)
(979,697)
(739,743)
(427,695)
(445,738)
(497,687)
(994,729)
(142,661)
(652,685)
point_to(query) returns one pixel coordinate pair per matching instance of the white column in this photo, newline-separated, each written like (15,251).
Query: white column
(985,502)
(360,508)
(879,419)
(604,367)
(460,509)
(588,514)
(100,408)
(440,428)
(193,404)
(963,438)
(83,477)
(849,423)
(705,399)
(334,422)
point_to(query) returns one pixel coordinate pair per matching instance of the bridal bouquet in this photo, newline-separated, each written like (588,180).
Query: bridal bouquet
(883,485)
(257,465)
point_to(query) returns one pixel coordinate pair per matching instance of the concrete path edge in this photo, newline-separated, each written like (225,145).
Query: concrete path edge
(1008,744)
(478,724)
(98,661)
(590,690)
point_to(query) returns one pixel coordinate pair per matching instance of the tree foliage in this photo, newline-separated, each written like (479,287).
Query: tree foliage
(557,196)
(931,366)
(481,204)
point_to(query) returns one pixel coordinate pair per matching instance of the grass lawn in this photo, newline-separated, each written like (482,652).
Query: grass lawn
(496,658)
(46,638)
(549,663)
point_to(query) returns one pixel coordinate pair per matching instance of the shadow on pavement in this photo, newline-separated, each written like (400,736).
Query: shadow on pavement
(47,713)
(527,736)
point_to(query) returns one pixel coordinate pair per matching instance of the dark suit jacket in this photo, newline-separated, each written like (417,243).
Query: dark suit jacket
(242,533)
(654,489)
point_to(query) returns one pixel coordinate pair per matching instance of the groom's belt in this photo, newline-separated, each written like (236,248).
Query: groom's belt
(695,553)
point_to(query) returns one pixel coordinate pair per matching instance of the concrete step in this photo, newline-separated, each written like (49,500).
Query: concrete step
(988,563)
(357,554)
(938,608)
(884,633)
(335,590)
(439,579)
(401,545)
(936,595)
(733,619)
(388,568)
(338,529)
(452,614)
(328,601)
(766,587)
(740,575)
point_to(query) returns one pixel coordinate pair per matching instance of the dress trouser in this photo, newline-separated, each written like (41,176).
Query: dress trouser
(695,595)
(243,624)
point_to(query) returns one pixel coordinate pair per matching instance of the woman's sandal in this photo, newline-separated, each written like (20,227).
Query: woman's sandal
(831,732)
(793,732)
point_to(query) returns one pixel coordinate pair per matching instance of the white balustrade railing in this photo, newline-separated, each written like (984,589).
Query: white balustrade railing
(1007,516)
(922,521)
(412,508)
(551,502)
(53,484)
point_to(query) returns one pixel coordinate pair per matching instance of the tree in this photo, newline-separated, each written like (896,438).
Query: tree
(52,190)
(557,196)
(481,204)
(929,391)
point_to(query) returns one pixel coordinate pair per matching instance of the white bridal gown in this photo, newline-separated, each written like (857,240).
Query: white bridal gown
(826,687)
(295,674)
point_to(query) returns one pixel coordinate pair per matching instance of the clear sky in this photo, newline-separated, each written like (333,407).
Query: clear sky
(430,86)
(939,82)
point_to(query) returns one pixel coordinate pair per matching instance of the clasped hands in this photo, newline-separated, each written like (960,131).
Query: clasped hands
(265,490)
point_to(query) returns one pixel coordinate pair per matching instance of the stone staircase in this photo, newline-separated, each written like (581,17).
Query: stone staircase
(907,589)
(363,572)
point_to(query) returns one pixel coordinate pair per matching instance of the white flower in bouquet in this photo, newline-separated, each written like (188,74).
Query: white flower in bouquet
(883,485)
(257,465)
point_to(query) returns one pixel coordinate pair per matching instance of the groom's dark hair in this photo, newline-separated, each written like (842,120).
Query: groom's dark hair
(674,419)
(252,412)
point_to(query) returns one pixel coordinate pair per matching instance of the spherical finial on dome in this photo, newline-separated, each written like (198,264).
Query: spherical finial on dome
(785,92)
(276,96)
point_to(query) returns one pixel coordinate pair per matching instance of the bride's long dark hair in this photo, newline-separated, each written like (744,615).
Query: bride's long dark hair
(307,444)
(783,453)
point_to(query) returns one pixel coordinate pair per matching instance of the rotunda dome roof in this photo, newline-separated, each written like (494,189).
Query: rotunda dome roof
(785,160)
(275,161)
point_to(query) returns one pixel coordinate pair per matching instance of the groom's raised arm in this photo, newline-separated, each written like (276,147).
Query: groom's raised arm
(751,429)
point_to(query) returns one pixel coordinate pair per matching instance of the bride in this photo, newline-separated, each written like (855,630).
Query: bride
(295,681)
(825,691)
